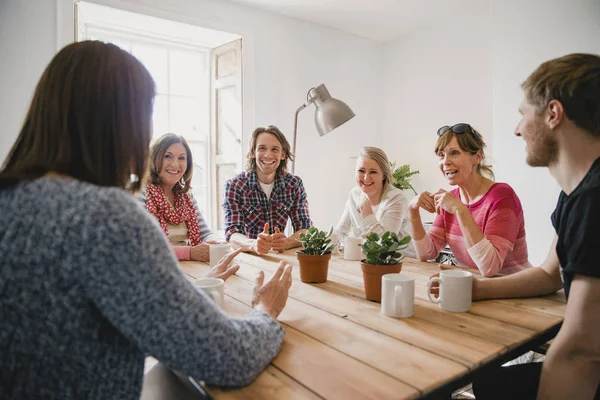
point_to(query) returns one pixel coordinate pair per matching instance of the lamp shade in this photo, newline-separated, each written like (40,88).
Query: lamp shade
(330,112)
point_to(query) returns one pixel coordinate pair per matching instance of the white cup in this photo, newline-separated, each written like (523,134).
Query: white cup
(397,295)
(214,288)
(218,251)
(456,290)
(352,248)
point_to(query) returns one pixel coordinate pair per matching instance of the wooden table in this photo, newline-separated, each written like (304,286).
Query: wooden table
(338,345)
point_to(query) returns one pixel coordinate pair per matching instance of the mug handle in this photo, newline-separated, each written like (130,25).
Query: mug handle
(431,281)
(397,299)
(340,244)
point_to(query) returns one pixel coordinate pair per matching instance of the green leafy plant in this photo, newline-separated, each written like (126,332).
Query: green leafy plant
(384,250)
(401,176)
(316,242)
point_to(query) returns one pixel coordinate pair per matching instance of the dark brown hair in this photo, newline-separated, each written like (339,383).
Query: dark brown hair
(469,142)
(574,80)
(90,118)
(157,156)
(273,130)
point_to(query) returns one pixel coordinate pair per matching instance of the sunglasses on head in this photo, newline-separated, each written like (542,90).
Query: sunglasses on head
(458,128)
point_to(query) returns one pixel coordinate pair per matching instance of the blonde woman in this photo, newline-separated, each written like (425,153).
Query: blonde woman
(374,204)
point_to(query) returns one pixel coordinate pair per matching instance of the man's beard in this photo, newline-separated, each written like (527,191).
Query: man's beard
(542,150)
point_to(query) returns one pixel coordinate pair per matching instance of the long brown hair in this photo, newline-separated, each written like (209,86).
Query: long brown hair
(90,118)
(157,156)
(286,150)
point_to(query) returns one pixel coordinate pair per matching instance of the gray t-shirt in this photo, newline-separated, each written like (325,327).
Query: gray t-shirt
(89,286)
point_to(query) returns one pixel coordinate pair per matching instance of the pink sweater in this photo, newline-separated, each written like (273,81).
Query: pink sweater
(499,215)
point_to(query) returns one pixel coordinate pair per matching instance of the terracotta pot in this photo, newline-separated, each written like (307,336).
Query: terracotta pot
(313,269)
(372,276)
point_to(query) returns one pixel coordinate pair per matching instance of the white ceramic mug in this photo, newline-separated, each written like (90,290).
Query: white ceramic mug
(352,248)
(214,288)
(218,251)
(397,295)
(456,290)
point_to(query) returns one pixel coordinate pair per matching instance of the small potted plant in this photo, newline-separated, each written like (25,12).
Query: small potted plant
(401,177)
(384,256)
(315,255)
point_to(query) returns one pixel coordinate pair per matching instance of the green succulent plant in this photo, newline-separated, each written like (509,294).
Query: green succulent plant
(316,242)
(384,250)
(401,176)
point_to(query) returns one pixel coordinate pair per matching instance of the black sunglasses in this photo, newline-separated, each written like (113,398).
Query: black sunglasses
(458,128)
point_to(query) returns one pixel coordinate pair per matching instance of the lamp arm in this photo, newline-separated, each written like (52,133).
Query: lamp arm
(302,107)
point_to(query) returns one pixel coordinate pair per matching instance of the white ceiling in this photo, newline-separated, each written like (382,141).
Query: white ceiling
(379,20)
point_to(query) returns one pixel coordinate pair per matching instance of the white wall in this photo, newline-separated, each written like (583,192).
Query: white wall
(27,43)
(472,72)
(289,57)
(525,34)
(433,78)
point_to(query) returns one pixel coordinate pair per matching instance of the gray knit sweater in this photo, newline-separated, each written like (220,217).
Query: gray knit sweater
(89,285)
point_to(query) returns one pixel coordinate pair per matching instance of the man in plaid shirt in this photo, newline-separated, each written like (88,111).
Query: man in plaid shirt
(259,202)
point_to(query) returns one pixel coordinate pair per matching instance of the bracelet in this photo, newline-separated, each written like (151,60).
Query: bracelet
(414,219)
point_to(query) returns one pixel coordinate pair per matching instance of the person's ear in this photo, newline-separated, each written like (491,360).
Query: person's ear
(555,112)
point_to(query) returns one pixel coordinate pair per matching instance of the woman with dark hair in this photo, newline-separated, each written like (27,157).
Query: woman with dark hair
(88,282)
(481,220)
(167,196)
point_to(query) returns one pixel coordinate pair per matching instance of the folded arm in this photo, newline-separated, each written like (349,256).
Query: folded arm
(430,243)
(488,248)
(391,218)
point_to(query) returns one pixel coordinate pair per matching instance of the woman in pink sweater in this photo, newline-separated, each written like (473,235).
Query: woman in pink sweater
(481,220)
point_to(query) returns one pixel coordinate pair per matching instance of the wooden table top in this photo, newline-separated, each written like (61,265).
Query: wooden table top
(338,345)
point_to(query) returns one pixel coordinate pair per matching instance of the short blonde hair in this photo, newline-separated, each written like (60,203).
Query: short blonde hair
(379,156)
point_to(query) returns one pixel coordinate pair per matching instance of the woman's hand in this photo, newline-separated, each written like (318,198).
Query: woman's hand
(272,296)
(364,208)
(200,252)
(424,200)
(447,202)
(224,269)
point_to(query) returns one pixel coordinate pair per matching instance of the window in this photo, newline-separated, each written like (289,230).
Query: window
(181,59)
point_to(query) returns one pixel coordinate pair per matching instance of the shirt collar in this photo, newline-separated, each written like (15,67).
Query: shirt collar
(279,182)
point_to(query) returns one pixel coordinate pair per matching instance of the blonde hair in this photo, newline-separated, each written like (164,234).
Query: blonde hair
(379,156)
(471,141)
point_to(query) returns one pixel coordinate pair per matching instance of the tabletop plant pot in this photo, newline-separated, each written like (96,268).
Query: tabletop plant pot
(315,255)
(383,256)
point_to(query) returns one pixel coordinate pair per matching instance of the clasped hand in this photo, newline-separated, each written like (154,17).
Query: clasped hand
(265,242)
(434,202)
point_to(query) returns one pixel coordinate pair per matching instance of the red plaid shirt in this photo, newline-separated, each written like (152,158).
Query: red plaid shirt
(247,208)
